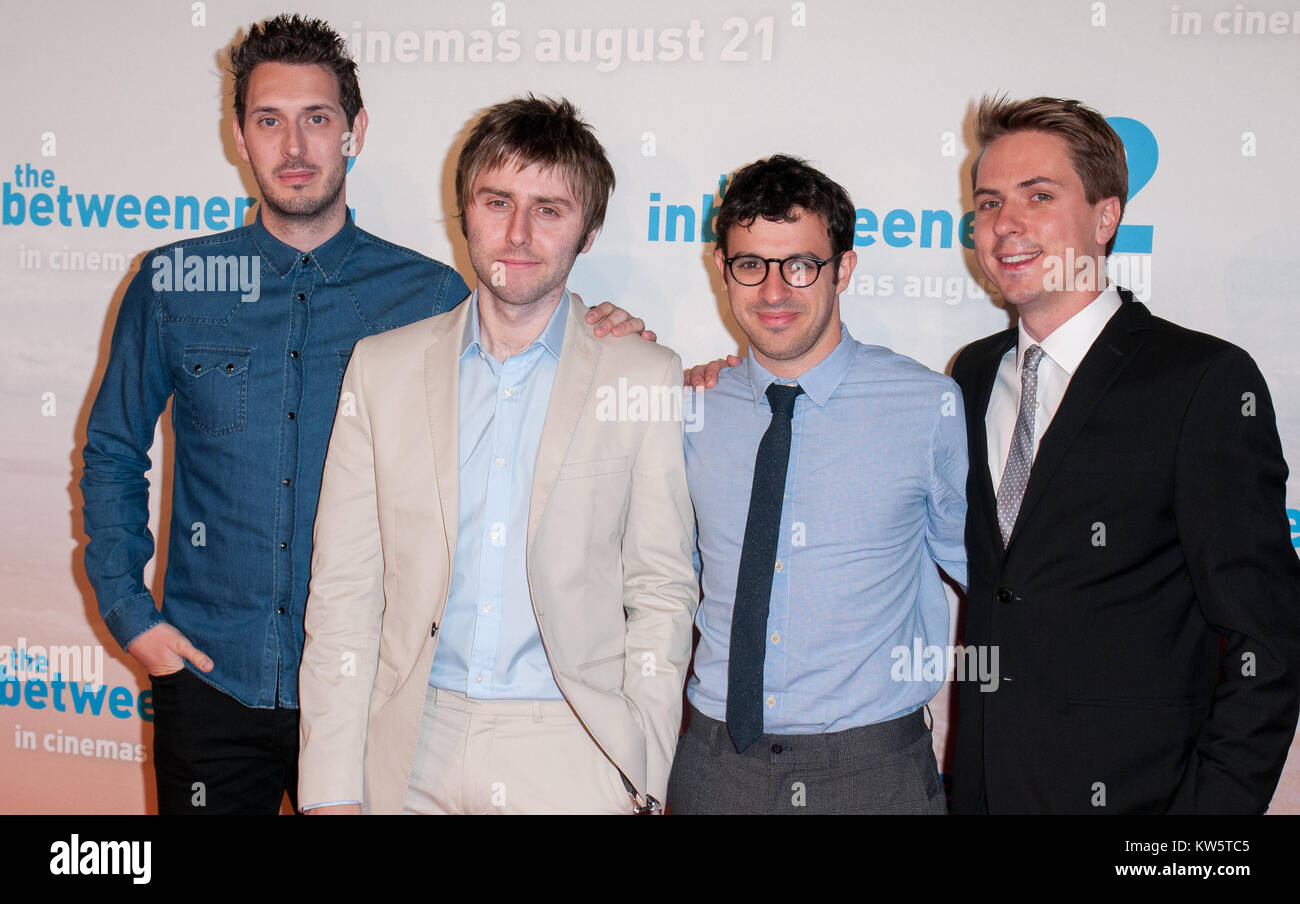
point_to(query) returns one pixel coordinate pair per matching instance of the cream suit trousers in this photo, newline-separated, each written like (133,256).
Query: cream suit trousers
(509,756)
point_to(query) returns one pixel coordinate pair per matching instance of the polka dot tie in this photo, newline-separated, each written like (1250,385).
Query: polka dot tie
(1015,477)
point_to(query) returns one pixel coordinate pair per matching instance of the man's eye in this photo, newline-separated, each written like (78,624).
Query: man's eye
(988,205)
(748,264)
(799,265)
(548,211)
(317,118)
(1041,196)
(268,120)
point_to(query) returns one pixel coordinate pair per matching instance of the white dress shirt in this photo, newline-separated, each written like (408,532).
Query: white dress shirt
(1063,349)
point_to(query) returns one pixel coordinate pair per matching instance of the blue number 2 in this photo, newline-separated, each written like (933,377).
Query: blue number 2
(1142,151)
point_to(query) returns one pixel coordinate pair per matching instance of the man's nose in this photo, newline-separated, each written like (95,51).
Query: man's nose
(521,227)
(773,289)
(1007,221)
(293,140)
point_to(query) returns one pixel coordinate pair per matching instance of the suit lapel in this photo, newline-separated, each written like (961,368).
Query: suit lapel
(574,377)
(1113,349)
(987,369)
(442,394)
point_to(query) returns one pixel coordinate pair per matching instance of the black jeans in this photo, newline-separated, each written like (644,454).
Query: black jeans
(215,756)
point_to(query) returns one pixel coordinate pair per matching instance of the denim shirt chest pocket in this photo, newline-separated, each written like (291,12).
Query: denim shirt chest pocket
(215,386)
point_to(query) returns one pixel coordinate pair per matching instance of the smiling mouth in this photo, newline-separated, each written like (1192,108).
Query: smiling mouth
(776,318)
(1017,260)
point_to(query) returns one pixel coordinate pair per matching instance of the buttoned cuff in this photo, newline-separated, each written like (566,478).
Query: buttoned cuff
(131,617)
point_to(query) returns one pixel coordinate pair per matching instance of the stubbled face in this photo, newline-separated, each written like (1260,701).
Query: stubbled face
(524,229)
(1030,208)
(790,329)
(293,139)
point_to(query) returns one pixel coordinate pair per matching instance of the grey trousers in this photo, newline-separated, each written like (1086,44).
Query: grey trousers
(888,767)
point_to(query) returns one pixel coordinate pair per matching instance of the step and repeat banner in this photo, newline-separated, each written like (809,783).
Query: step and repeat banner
(117,139)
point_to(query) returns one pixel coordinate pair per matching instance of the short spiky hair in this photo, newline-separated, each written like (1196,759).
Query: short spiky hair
(1096,151)
(298,41)
(544,132)
(774,187)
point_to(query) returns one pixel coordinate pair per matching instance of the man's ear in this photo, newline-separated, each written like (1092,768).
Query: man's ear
(586,246)
(848,261)
(720,261)
(1107,220)
(355,137)
(239,140)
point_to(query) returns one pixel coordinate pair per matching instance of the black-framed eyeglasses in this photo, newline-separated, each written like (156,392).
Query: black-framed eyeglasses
(799,272)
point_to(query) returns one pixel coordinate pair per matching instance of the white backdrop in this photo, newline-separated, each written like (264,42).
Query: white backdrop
(106,101)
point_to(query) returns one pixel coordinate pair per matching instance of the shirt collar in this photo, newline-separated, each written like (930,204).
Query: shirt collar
(818,382)
(327,257)
(1069,342)
(551,339)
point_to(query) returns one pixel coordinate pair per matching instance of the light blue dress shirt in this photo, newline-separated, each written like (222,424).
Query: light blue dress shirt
(875,498)
(490,646)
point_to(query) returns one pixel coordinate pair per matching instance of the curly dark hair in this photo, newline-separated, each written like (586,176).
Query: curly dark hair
(299,41)
(774,187)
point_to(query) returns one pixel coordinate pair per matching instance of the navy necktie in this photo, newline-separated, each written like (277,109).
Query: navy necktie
(754,582)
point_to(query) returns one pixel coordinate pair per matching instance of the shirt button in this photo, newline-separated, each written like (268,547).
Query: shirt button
(496,533)
(292,415)
(293,354)
(284,545)
(777,748)
(509,391)
(229,368)
(779,566)
(478,679)
(776,637)
(306,259)
(280,610)
(770,701)
(302,297)
(487,607)
(500,462)
(286,481)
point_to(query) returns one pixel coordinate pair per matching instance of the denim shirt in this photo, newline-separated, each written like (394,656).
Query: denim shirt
(249,338)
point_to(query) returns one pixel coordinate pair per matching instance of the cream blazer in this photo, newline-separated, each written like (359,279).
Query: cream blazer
(609,549)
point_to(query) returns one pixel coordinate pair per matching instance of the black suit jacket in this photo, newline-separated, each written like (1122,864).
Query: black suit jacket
(1153,525)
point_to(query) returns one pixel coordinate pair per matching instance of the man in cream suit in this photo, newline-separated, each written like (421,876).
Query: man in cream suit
(502,590)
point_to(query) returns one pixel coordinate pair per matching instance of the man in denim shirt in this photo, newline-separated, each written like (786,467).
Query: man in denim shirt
(251,331)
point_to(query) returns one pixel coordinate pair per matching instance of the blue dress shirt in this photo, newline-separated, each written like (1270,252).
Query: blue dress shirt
(490,646)
(875,498)
(254,384)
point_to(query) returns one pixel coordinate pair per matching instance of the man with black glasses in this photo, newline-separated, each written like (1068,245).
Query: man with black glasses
(828,481)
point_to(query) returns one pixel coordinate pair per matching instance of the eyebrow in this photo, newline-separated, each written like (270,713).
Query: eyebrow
(547,200)
(313,108)
(1028,183)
